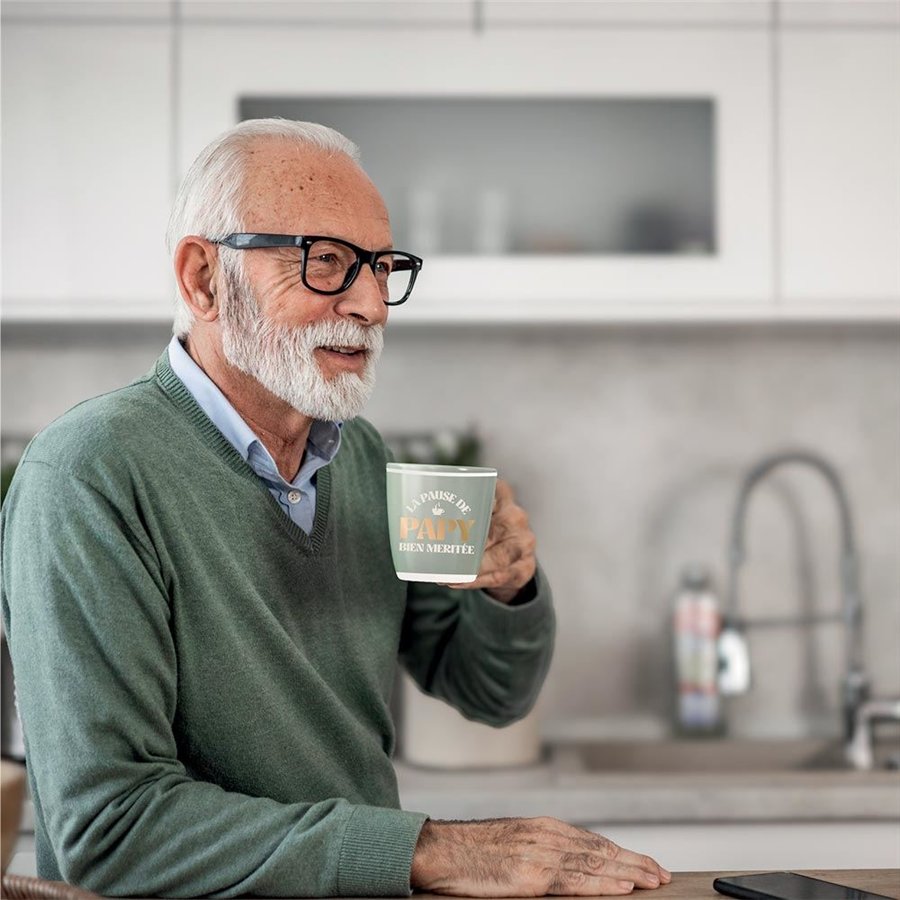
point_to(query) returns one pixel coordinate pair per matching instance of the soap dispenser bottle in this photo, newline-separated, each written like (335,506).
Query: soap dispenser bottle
(696,625)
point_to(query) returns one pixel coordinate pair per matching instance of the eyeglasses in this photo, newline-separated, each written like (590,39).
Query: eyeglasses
(330,265)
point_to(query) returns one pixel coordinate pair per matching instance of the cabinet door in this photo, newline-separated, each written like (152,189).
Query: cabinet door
(568,13)
(839,12)
(86,170)
(840,172)
(349,13)
(86,10)
(730,68)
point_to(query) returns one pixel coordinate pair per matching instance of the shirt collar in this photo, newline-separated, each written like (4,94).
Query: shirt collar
(324,437)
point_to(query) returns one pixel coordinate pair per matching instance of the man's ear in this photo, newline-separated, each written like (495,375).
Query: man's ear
(196,263)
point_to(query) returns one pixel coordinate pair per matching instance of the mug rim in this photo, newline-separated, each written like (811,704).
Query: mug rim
(439,470)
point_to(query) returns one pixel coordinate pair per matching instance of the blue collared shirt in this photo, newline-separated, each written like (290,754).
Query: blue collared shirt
(298,497)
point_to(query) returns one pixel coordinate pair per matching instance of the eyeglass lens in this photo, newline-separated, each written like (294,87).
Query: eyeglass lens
(329,265)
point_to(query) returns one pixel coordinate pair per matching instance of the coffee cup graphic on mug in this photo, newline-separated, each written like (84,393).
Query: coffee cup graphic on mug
(438,520)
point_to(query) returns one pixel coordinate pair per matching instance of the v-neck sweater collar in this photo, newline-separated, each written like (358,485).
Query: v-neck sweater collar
(175,389)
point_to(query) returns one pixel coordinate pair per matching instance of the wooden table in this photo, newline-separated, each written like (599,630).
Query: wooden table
(698,885)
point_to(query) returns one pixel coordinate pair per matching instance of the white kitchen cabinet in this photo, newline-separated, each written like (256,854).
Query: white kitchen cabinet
(839,184)
(220,65)
(348,13)
(86,170)
(573,13)
(87,10)
(806,143)
(840,13)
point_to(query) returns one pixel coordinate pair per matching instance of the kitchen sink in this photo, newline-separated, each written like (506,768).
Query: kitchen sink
(710,755)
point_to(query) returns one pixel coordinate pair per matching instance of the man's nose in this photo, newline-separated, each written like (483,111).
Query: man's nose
(363,299)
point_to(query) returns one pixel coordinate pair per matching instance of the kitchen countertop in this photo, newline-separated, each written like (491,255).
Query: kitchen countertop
(560,787)
(698,885)
(694,885)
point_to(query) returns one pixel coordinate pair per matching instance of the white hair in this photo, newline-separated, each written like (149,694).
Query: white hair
(210,199)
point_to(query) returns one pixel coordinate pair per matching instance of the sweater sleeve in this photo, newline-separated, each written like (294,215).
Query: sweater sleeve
(93,647)
(486,658)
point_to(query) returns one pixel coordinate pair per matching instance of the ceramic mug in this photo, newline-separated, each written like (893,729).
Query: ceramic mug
(438,520)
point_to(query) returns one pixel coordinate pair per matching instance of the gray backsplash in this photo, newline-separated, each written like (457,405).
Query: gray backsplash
(626,445)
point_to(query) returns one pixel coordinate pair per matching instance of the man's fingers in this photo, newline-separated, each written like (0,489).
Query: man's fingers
(643,862)
(498,578)
(509,522)
(598,864)
(555,844)
(577,883)
(594,844)
(503,494)
(510,539)
(515,566)
(504,553)
(511,527)
(509,561)
(631,864)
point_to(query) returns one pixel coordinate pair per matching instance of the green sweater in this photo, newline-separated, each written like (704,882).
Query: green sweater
(204,688)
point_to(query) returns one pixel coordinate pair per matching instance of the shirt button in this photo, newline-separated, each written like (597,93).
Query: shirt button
(294,496)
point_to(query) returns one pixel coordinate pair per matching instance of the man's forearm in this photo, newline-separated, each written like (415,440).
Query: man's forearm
(483,657)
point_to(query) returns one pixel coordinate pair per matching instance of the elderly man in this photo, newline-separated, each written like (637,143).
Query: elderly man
(198,590)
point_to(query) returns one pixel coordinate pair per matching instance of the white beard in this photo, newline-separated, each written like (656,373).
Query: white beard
(281,357)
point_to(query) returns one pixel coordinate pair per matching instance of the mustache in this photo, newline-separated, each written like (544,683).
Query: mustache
(343,332)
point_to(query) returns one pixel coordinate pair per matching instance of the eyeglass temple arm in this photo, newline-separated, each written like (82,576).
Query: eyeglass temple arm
(248,241)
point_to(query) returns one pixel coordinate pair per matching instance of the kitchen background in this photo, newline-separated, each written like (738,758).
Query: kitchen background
(622,369)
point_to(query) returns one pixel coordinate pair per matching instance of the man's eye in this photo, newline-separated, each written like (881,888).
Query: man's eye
(325,258)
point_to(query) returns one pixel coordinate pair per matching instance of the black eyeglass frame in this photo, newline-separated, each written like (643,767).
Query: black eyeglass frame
(254,240)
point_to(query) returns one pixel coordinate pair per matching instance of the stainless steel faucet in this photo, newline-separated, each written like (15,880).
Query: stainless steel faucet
(854,685)
(861,748)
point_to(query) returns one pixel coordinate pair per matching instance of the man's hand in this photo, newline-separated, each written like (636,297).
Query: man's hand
(526,858)
(508,563)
